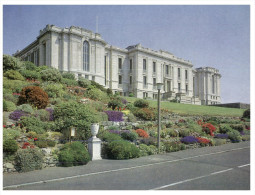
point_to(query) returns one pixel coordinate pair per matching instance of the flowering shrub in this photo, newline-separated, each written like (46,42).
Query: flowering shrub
(221,136)
(17,114)
(142,133)
(200,122)
(189,140)
(114,116)
(247,127)
(203,141)
(208,128)
(145,114)
(124,101)
(50,110)
(27,145)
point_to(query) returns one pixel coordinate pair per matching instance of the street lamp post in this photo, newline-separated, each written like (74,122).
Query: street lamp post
(159,87)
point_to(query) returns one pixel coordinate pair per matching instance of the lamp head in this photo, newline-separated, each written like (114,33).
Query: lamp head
(159,86)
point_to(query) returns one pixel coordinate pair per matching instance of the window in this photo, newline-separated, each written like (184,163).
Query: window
(144,81)
(86,56)
(154,67)
(154,82)
(145,95)
(120,79)
(130,64)
(93,78)
(167,69)
(186,87)
(130,80)
(144,64)
(120,63)
(86,76)
(179,87)
(213,85)
(179,73)
(186,74)
(79,75)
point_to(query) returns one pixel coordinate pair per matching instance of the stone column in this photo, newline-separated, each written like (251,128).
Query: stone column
(94,144)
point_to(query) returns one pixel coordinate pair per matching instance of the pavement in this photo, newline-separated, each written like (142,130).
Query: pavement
(225,167)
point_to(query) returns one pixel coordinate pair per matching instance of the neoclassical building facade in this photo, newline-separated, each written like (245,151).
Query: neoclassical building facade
(134,70)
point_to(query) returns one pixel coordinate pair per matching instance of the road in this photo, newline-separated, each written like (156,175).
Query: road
(225,167)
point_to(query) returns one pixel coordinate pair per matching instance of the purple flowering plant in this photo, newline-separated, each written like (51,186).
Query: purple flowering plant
(221,136)
(17,114)
(189,140)
(114,115)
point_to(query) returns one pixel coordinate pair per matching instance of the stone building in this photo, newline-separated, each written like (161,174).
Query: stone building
(132,70)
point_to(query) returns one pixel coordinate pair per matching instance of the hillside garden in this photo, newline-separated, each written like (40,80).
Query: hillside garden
(41,104)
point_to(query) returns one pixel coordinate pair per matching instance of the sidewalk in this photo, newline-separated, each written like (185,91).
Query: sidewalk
(105,165)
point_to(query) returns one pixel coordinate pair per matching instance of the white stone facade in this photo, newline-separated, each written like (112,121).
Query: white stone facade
(132,70)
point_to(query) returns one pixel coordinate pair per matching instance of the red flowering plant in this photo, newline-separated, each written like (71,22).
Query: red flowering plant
(247,127)
(27,145)
(208,128)
(200,122)
(142,133)
(203,141)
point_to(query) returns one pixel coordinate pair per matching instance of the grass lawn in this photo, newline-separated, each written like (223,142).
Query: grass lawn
(188,109)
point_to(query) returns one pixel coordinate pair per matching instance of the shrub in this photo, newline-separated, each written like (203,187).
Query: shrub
(11,133)
(53,89)
(10,146)
(221,136)
(51,74)
(41,143)
(17,114)
(122,150)
(203,141)
(208,128)
(172,132)
(25,108)
(14,85)
(10,97)
(174,146)
(145,114)
(131,95)
(69,82)
(142,133)
(29,74)
(14,75)
(82,82)
(34,95)
(109,137)
(149,141)
(115,103)
(147,150)
(109,92)
(218,142)
(131,118)
(189,140)
(73,114)
(74,153)
(238,127)
(29,65)
(246,114)
(130,136)
(29,159)
(114,116)
(98,86)
(184,132)
(8,106)
(68,75)
(245,137)
(50,111)
(234,136)
(141,103)
(98,95)
(11,63)
(225,128)
(51,143)
(32,124)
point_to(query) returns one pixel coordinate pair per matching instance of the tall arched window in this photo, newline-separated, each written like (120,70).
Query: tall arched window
(86,55)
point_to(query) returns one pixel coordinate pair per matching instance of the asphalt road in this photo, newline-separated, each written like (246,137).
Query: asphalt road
(225,167)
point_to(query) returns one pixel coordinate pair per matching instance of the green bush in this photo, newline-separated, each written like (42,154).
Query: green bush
(7,95)
(51,143)
(26,108)
(34,95)
(98,95)
(172,132)
(29,160)
(131,118)
(246,138)
(121,150)
(69,82)
(30,74)
(13,75)
(29,66)
(225,128)
(53,90)
(68,75)
(14,85)
(130,136)
(42,114)
(73,114)
(246,114)
(109,137)
(147,150)
(10,146)
(98,86)
(8,106)
(234,136)
(174,146)
(32,123)
(218,142)
(51,74)
(115,103)
(145,114)
(109,92)
(74,153)
(11,133)
(184,132)
(11,63)
(82,82)
(41,143)
(238,127)
(141,103)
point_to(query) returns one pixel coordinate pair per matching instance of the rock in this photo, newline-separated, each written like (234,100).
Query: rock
(9,166)
(46,151)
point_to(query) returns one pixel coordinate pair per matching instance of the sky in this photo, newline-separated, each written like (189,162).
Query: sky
(207,35)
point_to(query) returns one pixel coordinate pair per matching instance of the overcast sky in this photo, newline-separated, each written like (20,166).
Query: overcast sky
(207,35)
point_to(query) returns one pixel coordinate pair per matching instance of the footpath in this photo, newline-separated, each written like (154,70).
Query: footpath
(15,180)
